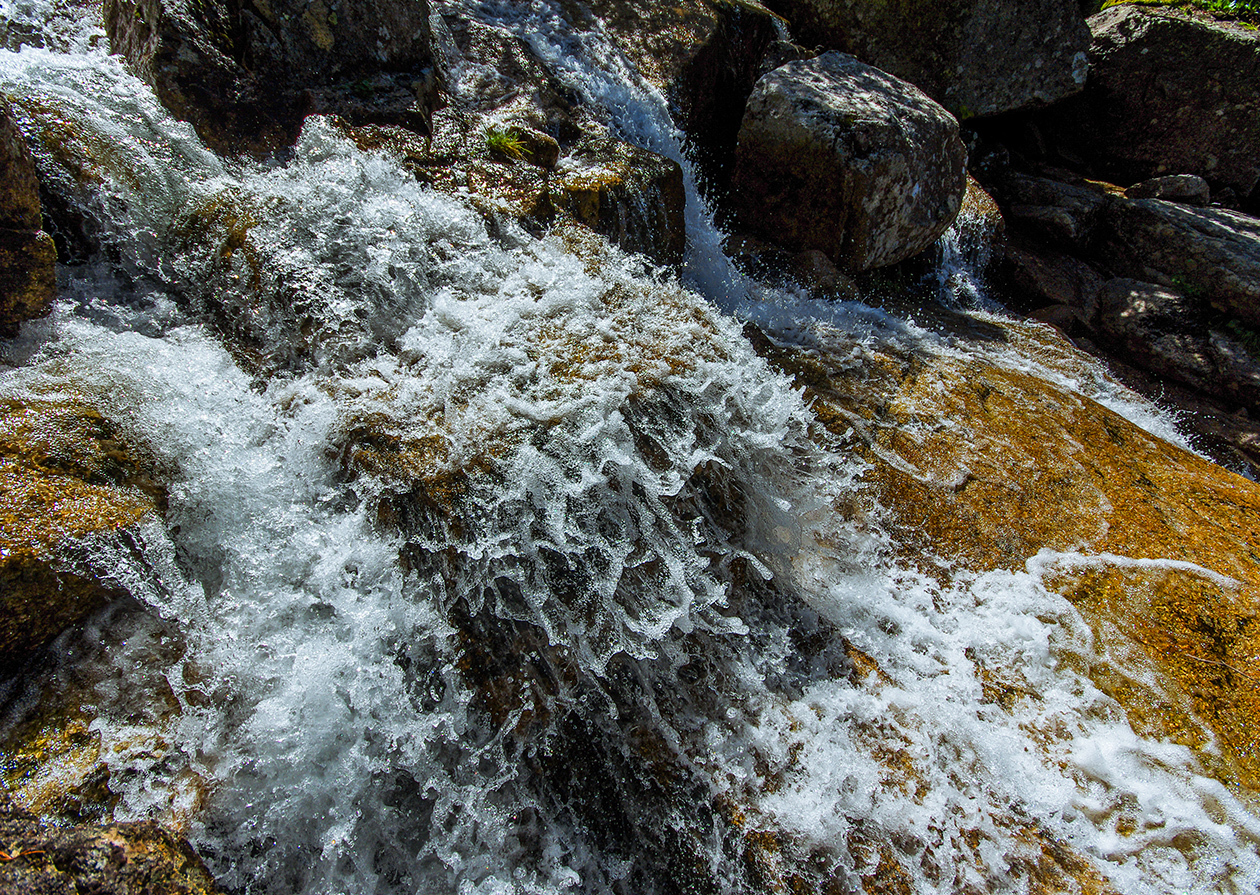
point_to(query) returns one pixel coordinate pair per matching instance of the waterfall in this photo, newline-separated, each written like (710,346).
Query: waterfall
(496,564)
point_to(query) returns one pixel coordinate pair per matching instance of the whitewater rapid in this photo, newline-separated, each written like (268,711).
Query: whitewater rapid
(582,424)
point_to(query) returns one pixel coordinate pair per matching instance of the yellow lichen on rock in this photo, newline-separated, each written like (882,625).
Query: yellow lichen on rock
(985,466)
(66,477)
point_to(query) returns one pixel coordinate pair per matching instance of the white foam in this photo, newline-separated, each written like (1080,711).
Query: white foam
(608,427)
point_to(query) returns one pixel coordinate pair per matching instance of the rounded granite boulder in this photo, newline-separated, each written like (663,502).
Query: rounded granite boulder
(841,157)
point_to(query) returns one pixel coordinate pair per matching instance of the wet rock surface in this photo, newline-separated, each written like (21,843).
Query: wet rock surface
(68,480)
(838,156)
(975,57)
(27,256)
(986,466)
(120,859)
(704,56)
(245,74)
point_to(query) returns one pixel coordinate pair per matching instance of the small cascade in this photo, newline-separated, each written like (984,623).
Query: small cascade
(493,562)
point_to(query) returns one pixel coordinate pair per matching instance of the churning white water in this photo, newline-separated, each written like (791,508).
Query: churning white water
(508,559)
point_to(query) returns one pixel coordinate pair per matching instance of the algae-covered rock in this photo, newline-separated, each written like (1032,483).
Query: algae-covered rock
(246,74)
(975,57)
(120,859)
(995,467)
(838,156)
(632,196)
(67,478)
(28,280)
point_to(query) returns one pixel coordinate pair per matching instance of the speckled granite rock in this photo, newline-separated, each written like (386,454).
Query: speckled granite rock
(838,156)
(975,57)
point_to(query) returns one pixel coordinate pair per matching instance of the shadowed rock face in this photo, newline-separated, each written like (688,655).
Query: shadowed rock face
(1167,94)
(838,156)
(28,282)
(974,57)
(246,74)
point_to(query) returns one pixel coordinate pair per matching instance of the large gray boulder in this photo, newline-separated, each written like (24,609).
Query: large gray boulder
(975,57)
(841,157)
(1167,93)
(245,73)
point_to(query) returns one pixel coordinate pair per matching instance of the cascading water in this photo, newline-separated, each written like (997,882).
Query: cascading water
(509,566)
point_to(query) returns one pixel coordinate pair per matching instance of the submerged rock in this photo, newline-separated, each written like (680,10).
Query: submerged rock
(28,280)
(120,859)
(838,156)
(1168,93)
(974,57)
(68,480)
(247,74)
(991,467)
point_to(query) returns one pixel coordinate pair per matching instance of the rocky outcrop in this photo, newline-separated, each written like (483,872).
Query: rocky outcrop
(704,56)
(1211,254)
(1181,284)
(28,279)
(67,479)
(841,157)
(1167,93)
(985,466)
(119,859)
(974,57)
(1162,331)
(246,73)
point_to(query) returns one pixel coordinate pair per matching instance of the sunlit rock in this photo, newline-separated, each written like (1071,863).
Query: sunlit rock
(68,480)
(632,196)
(120,859)
(838,156)
(989,467)
(246,74)
(28,280)
(975,57)
(1189,189)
